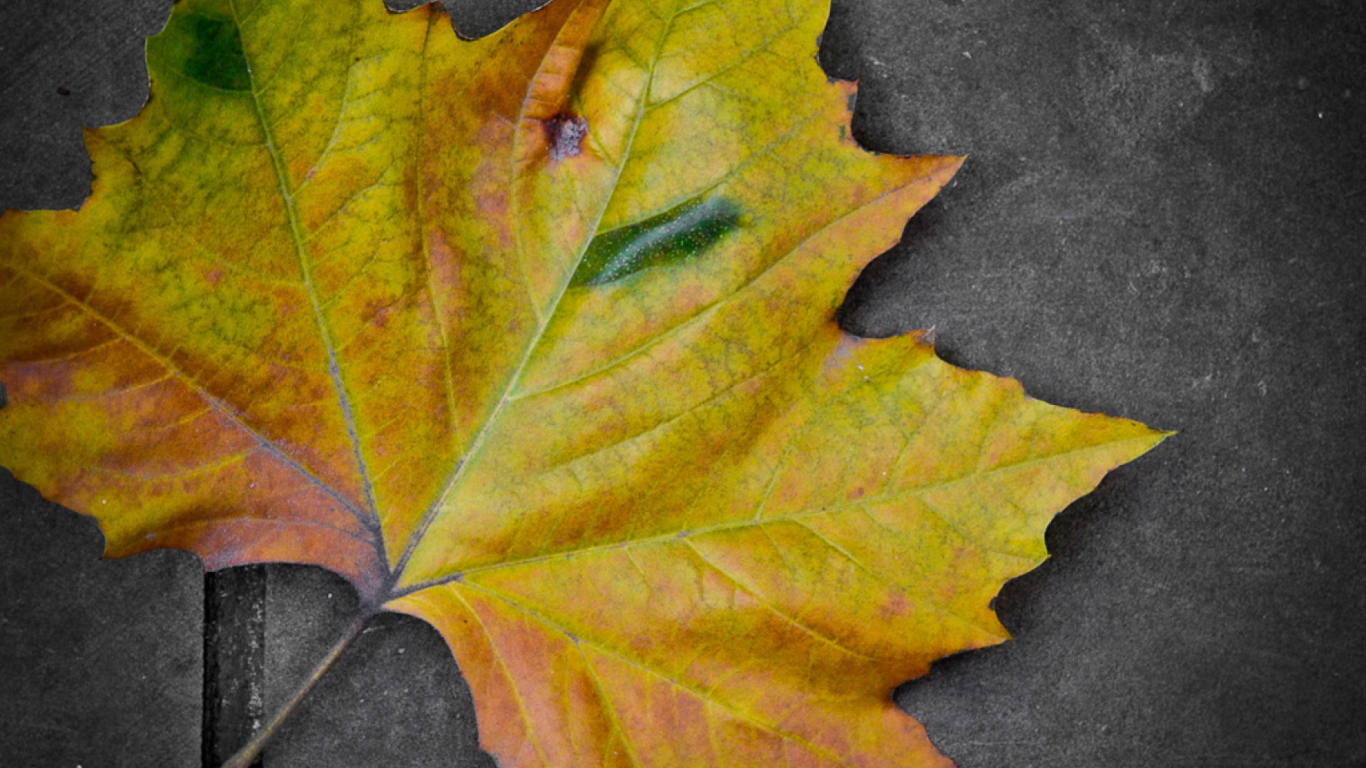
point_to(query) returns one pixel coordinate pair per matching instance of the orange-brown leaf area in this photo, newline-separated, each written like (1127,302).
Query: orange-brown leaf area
(534,338)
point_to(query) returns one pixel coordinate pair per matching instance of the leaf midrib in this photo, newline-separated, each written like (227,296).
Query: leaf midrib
(370,519)
(805,514)
(544,318)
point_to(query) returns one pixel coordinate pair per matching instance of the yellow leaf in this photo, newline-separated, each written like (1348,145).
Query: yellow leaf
(533,338)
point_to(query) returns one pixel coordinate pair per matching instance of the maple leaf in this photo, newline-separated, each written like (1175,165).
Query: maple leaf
(534,338)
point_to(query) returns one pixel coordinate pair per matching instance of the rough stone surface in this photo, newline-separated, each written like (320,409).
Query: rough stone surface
(99,659)
(1163,216)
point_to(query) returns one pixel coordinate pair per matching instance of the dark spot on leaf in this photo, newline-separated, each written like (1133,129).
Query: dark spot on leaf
(565,134)
(207,50)
(679,234)
(4,396)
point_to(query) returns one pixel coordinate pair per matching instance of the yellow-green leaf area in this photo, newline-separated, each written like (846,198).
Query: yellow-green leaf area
(534,337)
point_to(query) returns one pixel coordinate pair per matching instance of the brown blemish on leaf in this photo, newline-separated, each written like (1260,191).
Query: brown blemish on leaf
(549,90)
(564,135)
(894,606)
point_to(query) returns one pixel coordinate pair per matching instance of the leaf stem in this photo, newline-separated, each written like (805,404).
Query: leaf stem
(248,753)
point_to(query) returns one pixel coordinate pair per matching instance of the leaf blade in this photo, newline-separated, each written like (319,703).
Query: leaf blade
(534,338)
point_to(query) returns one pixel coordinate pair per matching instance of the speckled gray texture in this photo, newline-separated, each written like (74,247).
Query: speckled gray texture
(1163,216)
(99,659)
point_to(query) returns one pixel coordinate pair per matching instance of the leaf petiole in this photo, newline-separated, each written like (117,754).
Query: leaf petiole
(248,753)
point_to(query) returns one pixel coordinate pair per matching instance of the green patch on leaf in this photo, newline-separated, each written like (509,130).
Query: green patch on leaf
(206,49)
(679,234)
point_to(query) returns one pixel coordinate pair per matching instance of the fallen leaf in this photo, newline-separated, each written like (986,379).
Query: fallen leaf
(533,338)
